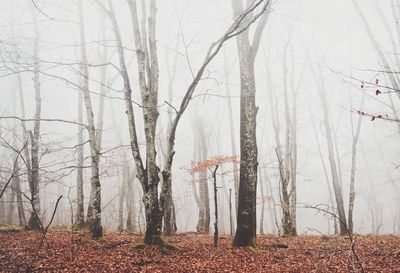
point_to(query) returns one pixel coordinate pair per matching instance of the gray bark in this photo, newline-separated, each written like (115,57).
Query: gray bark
(352,193)
(80,210)
(203,224)
(94,210)
(34,221)
(246,219)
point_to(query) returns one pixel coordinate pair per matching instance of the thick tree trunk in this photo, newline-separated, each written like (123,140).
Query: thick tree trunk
(153,217)
(246,219)
(168,204)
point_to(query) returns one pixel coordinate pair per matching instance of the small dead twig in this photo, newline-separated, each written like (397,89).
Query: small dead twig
(350,236)
(44,233)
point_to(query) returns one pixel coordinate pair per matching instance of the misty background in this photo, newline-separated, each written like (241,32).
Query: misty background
(319,40)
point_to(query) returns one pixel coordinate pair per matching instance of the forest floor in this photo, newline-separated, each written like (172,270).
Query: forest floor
(64,251)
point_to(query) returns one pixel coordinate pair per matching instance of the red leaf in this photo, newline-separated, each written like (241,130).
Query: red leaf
(376,81)
(378,92)
(373,118)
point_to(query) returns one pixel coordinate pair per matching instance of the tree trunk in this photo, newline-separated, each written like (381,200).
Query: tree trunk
(233,141)
(166,196)
(230,213)
(21,211)
(130,204)
(331,155)
(352,193)
(215,206)
(246,219)
(148,73)
(34,221)
(262,203)
(203,224)
(80,210)
(11,204)
(122,194)
(94,211)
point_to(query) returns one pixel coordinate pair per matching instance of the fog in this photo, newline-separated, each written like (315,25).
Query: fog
(306,47)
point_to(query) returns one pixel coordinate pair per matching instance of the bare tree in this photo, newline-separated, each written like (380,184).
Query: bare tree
(203,224)
(246,219)
(80,210)
(331,155)
(34,221)
(352,194)
(94,209)
(146,51)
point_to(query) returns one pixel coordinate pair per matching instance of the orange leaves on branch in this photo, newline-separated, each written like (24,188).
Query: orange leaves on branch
(212,162)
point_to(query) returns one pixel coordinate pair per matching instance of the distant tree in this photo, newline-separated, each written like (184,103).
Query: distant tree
(34,221)
(332,156)
(203,223)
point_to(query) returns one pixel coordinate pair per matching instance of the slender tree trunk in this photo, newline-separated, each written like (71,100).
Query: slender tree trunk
(122,194)
(166,199)
(203,225)
(230,213)
(21,211)
(330,197)
(215,206)
(262,203)
(80,210)
(233,141)
(94,211)
(11,204)
(34,221)
(331,155)
(130,215)
(352,193)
